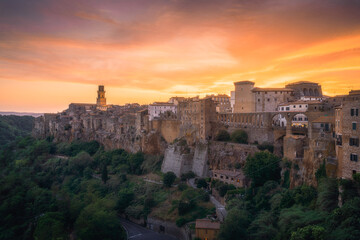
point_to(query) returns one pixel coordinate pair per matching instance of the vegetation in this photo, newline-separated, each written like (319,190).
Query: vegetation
(13,126)
(239,136)
(53,191)
(262,167)
(269,210)
(169,179)
(222,135)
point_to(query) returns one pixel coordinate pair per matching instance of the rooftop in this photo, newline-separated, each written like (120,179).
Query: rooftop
(244,82)
(272,89)
(162,104)
(207,224)
(354,92)
(302,82)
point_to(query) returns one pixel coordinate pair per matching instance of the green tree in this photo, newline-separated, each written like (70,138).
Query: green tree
(201,183)
(135,161)
(96,223)
(104,174)
(262,167)
(51,226)
(222,135)
(239,136)
(169,179)
(311,232)
(125,198)
(328,194)
(235,225)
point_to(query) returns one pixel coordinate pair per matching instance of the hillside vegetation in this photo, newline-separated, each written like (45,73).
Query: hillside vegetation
(14,126)
(63,190)
(270,210)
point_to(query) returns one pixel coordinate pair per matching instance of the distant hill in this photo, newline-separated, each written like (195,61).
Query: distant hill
(21,114)
(12,126)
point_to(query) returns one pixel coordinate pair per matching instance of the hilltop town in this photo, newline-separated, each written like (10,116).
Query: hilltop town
(300,124)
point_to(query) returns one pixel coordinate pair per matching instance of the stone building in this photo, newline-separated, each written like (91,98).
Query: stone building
(205,229)
(347,133)
(268,99)
(101,100)
(305,90)
(235,177)
(222,103)
(197,117)
(158,108)
(243,95)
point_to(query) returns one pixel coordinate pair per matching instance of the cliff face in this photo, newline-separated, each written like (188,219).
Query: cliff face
(114,128)
(224,155)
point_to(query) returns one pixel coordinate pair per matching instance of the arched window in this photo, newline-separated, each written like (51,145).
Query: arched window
(305,91)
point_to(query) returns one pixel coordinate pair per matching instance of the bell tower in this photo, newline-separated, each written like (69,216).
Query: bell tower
(101,100)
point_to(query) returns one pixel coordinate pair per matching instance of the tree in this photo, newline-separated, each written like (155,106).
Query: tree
(104,174)
(222,135)
(262,167)
(95,222)
(235,225)
(125,198)
(311,232)
(135,161)
(169,179)
(328,194)
(239,136)
(50,226)
(78,163)
(201,183)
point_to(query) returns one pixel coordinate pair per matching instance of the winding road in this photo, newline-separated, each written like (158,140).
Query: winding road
(137,232)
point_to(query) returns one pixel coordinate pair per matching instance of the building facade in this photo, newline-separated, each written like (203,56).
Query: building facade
(158,108)
(347,133)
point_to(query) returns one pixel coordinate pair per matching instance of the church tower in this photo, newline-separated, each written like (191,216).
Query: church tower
(101,100)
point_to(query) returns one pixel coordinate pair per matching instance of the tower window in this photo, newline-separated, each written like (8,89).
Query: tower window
(354,126)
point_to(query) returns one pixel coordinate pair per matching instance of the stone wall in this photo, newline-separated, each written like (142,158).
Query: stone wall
(177,159)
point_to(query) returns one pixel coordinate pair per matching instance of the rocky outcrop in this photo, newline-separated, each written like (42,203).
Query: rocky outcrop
(225,155)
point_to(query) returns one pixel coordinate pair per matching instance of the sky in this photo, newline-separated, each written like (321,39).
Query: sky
(54,52)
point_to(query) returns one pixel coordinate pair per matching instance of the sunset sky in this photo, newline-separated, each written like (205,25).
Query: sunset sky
(53,52)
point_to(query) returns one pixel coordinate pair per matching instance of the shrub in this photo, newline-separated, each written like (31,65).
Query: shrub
(169,179)
(222,135)
(239,136)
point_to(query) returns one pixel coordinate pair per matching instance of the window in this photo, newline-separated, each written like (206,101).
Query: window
(339,140)
(354,171)
(300,106)
(354,112)
(353,157)
(354,126)
(287,108)
(354,142)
